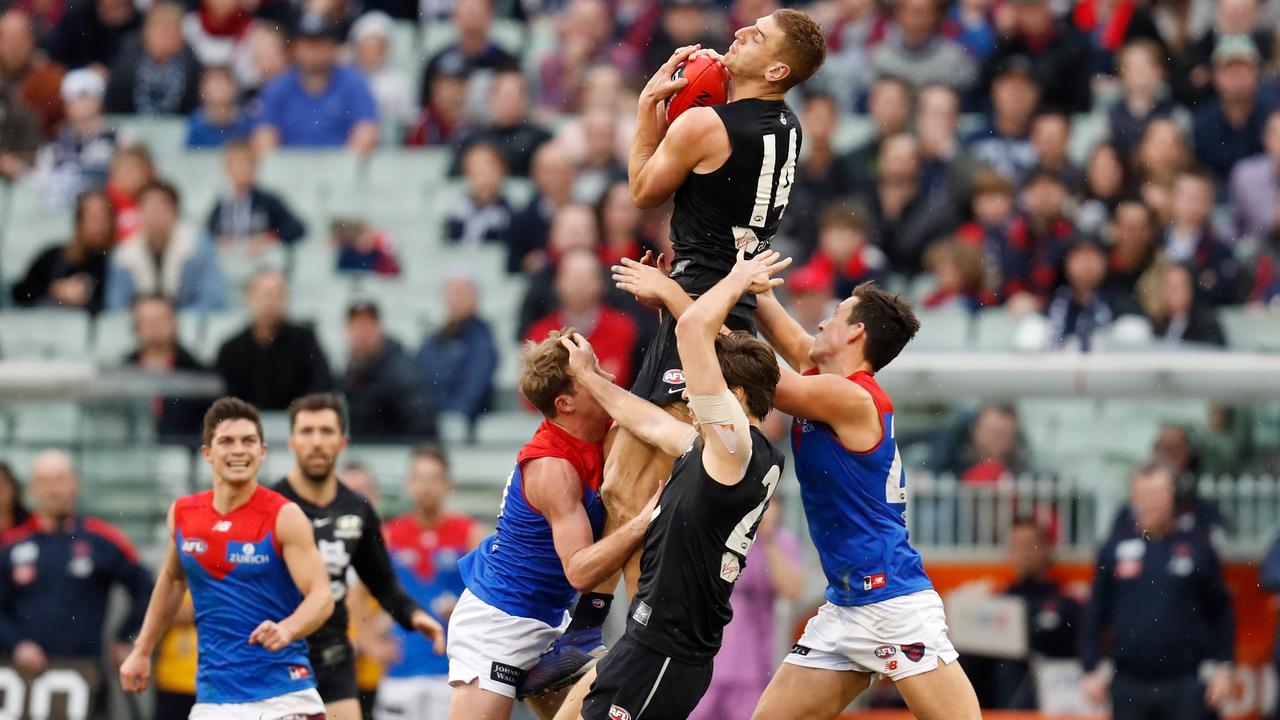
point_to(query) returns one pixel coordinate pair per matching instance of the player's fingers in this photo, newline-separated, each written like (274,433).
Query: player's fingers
(742,254)
(627,263)
(776,282)
(780,265)
(259,632)
(437,635)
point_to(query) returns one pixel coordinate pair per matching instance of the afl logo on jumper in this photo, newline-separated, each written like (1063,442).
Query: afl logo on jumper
(194,546)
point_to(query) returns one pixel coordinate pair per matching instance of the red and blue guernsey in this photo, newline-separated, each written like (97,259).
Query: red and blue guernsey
(517,570)
(856,504)
(238,579)
(426,561)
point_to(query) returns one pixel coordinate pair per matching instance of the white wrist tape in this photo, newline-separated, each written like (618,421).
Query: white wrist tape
(721,416)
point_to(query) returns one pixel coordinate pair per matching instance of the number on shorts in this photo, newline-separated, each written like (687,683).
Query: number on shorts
(743,537)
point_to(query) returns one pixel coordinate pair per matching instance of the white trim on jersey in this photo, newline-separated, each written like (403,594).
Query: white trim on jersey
(764,186)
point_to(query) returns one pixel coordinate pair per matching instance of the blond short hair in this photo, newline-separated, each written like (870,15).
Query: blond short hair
(544,373)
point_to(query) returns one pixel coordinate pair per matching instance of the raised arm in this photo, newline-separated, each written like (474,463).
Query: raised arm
(642,418)
(651,284)
(831,399)
(166,600)
(661,157)
(786,335)
(552,486)
(298,545)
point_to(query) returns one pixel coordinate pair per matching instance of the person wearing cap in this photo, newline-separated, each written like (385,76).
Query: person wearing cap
(1229,128)
(809,297)
(1191,68)
(1004,141)
(1058,57)
(317,103)
(442,120)
(385,399)
(157,73)
(80,158)
(370,40)
(915,49)
(1083,306)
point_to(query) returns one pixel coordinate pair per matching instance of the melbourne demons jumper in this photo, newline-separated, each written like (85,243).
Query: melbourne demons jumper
(881,615)
(517,598)
(238,579)
(739,205)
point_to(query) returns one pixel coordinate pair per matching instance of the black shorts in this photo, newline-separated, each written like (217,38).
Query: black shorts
(334,663)
(661,376)
(634,682)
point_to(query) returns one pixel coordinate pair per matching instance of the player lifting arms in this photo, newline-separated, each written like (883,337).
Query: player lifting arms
(730,168)
(882,614)
(256,579)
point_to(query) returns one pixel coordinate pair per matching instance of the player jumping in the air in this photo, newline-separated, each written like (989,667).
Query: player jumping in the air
(882,615)
(730,168)
(256,579)
(522,580)
(348,533)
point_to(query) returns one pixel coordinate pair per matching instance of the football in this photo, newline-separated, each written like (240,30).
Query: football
(708,85)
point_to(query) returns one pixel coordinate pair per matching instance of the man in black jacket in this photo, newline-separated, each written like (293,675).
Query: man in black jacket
(1160,593)
(157,73)
(272,362)
(156,327)
(247,213)
(1060,61)
(386,401)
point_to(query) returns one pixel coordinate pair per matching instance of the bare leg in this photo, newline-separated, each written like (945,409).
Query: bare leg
(472,703)
(572,707)
(801,693)
(545,705)
(348,709)
(944,692)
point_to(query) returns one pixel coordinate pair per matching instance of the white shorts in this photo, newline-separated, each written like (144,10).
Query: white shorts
(897,638)
(488,645)
(427,696)
(301,704)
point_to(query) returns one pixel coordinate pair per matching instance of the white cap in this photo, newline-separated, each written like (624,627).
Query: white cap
(82,82)
(370,24)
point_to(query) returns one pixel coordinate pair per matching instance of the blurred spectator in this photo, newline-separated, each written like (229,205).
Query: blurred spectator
(443,103)
(92,33)
(620,226)
(1057,57)
(993,449)
(1133,246)
(58,565)
(1193,64)
(1181,318)
(778,573)
(385,400)
(946,164)
(845,258)
(425,544)
(580,292)
(889,109)
(219,32)
(1229,128)
(156,74)
(1181,25)
(1145,95)
(1173,446)
(847,73)
(78,159)
(19,136)
(1190,239)
(131,170)
(272,362)
(73,275)
(1083,306)
(915,49)
(484,214)
(1161,155)
(1003,236)
(584,31)
(552,174)
(175,666)
(1052,616)
(1255,184)
(155,325)
(819,175)
(473,53)
(1160,593)
(905,215)
(957,268)
(457,362)
(26,75)
(13,511)
(247,215)
(269,59)
(1051,138)
(371,46)
(1109,24)
(509,130)
(1004,141)
(219,119)
(809,298)
(317,102)
(1049,229)
(686,22)
(1105,187)
(975,29)
(364,248)
(600,165)
(165,257)
(1269,581)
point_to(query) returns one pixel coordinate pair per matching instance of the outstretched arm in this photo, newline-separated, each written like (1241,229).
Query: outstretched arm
(661,157)
(786,335)
(298,545)
(649,281)
(166,599)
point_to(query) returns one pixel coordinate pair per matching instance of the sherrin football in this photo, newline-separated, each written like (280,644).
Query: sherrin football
(708,85)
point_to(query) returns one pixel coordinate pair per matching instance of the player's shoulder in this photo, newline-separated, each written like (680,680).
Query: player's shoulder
(195,501)
(695,123)
(269,500)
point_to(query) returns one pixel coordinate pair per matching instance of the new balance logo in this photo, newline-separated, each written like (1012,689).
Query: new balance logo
(222,526)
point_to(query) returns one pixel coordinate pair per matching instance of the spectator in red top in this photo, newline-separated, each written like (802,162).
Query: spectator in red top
(620,222)
(993,450)
(1109,24)
(441,122)
(580,290)
(218,31)
(845,258)
(1049,227)
(1001,233)
(131,170)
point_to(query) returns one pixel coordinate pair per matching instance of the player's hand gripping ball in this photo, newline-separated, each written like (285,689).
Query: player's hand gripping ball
(708,85)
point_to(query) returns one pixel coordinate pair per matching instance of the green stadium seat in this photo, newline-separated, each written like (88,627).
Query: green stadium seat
(482,464)
(1251,330)
(174,466)
(943,330)
(43,334)
(387,463)
(506,33)
(510,427)
(219,328)
(112,337)
(162,135)
(44,422)
(994,330)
